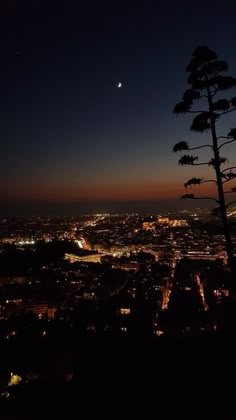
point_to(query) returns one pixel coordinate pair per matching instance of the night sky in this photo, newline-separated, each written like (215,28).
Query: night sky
(68,133)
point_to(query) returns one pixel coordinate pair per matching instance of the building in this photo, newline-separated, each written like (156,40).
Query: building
(94,258)
(201,255)
(163,220)
(178,223)
(149,225)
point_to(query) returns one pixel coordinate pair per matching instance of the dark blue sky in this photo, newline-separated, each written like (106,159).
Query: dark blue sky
(67,132)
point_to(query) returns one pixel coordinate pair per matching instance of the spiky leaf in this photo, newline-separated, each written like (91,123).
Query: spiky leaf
(221,105)
(187,160)
(193,181)
(197,83)
(201,122)
(182,107)
(233,101)
(194,65)
(230,175)
(201,55)
(204,53)
(217,66)
(197,74)
(232,133)
(224,82)
(179,147)
(188,196)
(222,160)
(190,95)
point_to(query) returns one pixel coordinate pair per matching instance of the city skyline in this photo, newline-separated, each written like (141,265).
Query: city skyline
(69,134)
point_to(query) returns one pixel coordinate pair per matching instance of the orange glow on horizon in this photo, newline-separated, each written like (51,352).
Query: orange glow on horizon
(117,192)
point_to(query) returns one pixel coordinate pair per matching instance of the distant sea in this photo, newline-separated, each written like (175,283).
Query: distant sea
(145,207)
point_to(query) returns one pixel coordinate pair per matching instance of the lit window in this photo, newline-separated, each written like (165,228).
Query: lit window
(125,311)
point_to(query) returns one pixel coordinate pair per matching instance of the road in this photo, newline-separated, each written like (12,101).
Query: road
(169,283)
(201,291)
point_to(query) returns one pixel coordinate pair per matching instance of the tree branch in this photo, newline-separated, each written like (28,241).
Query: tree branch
(197,181)
(201,147)
(226,112)
(209,180)
(199,164)
(229,204)
(192,197)
(194,112)
(213,93)
(227,169)
(207,198)
(227,180)
(226,142)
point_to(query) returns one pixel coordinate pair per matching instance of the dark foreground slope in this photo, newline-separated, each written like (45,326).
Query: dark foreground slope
(189,378)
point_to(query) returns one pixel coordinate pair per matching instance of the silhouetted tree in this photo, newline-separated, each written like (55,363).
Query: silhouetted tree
(206,82)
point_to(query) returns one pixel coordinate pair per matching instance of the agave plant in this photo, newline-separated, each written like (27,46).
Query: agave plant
(188,196)
(182,145)
(206,80)
(187,160)
(193,181)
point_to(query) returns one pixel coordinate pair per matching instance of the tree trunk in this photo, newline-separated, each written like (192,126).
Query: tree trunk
(223,212)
